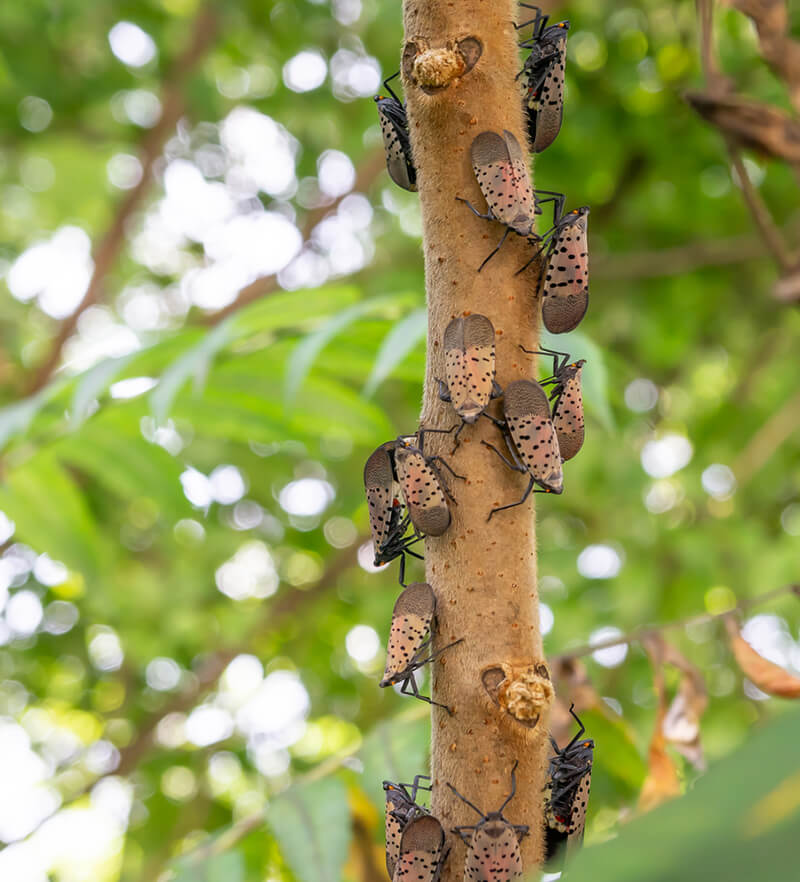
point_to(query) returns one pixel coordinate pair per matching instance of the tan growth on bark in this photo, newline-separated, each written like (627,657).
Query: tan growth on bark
(483,573)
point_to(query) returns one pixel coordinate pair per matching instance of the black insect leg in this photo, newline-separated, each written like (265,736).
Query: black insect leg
(466,833)
(410,681)
(444,392)
(543,247)
(557,366)
(488,216)
(446,464)
(495,250)
(418,663)
(525,495)
(497,389)
(515,466)
(423,432)
(389,88)
(558,200)
(539,24)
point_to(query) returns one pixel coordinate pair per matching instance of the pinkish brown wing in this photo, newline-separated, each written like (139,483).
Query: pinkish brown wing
(565,293)
(503,177)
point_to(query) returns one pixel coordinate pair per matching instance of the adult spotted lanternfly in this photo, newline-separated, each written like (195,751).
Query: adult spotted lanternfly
(469,367)
(531,439)
(424,491)
(401,808)
(566,793)
(413,623)
(493,854)
(421,851)
(565,269)
(567,400)
(388,521)
(396,142)
(502,173)
(542,78)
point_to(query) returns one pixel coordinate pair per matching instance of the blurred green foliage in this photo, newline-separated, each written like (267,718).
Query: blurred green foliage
(169,572)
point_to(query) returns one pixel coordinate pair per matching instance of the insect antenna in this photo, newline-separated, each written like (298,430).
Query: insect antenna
(464,799)
(513,788)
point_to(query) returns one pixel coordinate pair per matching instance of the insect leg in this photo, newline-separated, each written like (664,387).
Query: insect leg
(402,574)
(447,465)
(539,22)
(488,216)
(444,392)
(389,88)
(462,831)
(497,390)
(536,253)
(424,661)
(410,681)
(511,465)
(557,368)
(558,200)
(525,495)
(496,249)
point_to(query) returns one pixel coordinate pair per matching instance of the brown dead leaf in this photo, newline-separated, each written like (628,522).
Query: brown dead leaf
(769,677)
(662,781)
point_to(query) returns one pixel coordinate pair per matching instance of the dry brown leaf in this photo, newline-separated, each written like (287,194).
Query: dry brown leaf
(769,677)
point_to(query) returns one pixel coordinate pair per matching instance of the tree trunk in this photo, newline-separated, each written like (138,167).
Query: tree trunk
(483,573)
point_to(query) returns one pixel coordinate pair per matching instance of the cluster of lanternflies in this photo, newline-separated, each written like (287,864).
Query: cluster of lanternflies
(542,426)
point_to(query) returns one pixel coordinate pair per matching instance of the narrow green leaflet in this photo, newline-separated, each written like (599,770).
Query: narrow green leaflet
(51,514)
(395,750)
(195,364)
(91,384)
(226,867)
(595,376)
(398,343)
(293,309)
(738,823)
(311,822)
(305,353)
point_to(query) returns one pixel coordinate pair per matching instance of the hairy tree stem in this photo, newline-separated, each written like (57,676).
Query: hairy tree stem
(483,573)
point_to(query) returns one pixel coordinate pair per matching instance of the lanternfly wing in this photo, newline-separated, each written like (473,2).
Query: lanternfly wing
(568,411)
(399,811)
(546,101)
(527,412)
(382,496)
(411,623)
(577,821)
(469,364)
(494,853)
(502,174)
(396,143)
(565,293)
(420,851)
(422,490)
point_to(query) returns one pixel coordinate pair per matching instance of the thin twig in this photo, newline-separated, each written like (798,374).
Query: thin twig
(640,634)
(112,243)
(775,431)
(761,214)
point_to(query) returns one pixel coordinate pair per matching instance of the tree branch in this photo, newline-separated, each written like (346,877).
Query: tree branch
(640,634)
(112,243)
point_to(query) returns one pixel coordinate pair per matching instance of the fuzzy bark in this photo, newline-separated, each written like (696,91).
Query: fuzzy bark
(459,67)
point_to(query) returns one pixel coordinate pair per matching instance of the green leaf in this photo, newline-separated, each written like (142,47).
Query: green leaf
(395,750)
(595,375)
(51,513)
(311,822)
(397,344)
(91,384)
(292,309)
(226,867)
(739,823)
(305,353)
(195,363)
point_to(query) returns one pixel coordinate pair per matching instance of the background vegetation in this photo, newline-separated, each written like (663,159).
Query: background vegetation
(191,625)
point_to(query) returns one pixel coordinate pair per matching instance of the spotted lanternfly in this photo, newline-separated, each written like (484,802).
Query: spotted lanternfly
(413,623)
(469,367)
(567,400)
(531,439)
(396,142)
(388,521)
(493,854)
(421,851)
(566,793)
(424,491)
(401,808)
(542,78)
(502,172)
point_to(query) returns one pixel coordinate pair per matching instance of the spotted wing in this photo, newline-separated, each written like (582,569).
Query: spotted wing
(396,143)
(412,618)
(383,502)
(420,851)
(547,100)
(565,293)
(568,416)
(502,174)
(494,854)
(397,806)
(470,364)
(577,820)
(528,417)
(422,491)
